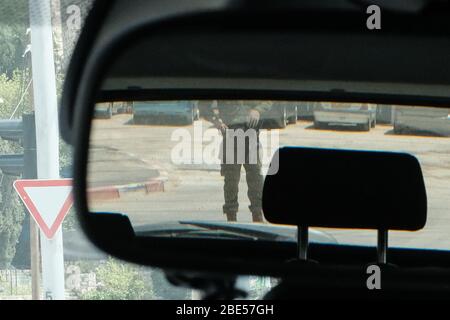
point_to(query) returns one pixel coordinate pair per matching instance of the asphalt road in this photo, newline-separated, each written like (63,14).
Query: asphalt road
(194,192)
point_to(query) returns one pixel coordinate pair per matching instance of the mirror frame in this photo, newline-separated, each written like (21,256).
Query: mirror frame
(81,92)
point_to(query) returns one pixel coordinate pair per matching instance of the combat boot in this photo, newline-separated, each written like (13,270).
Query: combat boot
(257,216)
(231,216)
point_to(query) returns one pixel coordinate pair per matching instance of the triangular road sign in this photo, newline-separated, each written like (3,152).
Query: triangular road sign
(48,201)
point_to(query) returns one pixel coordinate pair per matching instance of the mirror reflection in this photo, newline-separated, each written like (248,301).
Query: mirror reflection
(196,168)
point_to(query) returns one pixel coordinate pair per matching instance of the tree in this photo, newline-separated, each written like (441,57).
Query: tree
(11,210)
(12,89)
(13,38)
(15,75)
(11,217)
(118,281)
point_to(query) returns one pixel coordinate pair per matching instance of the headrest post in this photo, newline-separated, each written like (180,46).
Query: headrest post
(382,245)
(303,242)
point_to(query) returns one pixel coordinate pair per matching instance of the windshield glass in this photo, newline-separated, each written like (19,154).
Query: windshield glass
(196,168)
(87,272)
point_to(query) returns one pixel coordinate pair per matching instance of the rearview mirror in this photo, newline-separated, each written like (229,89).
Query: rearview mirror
(151,185)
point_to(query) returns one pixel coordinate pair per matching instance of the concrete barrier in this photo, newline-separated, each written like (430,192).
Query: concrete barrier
(116,192)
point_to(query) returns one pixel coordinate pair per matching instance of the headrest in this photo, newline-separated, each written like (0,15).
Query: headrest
(345,189)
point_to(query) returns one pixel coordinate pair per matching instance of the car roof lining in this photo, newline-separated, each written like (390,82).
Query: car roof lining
(397,65)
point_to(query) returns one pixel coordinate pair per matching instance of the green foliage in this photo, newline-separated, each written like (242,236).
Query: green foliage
(118,281)
(13,38)
(11,91)
(71,222)
(15,75)
(11,217)
(65,154)
(164,290)
(14,12)
(12,47)
(11,209)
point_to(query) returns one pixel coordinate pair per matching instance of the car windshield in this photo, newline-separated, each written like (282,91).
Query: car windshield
(83,271)
(173,169)
(158,162)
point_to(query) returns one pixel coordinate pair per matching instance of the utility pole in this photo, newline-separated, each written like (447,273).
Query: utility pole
(35,245)
(47,136)
(30,172)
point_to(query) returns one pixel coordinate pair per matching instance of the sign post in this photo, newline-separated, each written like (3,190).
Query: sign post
(47,136)
(48,202)
(30,172)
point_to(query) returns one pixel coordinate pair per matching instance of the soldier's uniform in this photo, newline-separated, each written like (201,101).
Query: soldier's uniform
(234,114)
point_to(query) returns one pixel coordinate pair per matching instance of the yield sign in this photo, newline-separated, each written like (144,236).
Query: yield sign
(48,201)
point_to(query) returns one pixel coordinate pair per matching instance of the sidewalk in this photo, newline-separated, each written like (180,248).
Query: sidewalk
(118,191)
(113,174)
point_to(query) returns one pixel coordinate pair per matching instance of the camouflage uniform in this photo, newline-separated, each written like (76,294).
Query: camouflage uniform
(234,114)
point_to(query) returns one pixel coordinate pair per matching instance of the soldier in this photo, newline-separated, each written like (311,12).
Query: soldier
(239,122)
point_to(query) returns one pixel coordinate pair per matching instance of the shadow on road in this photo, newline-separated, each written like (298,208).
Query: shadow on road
(421,133)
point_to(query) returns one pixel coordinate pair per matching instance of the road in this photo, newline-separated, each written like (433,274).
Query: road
(194,192)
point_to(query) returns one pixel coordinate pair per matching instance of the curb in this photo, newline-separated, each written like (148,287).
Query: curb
(116,192)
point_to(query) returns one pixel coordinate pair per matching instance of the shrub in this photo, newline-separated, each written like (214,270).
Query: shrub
(11,217)
(117,281)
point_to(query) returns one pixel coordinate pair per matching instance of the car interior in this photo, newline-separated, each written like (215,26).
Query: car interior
(335,203)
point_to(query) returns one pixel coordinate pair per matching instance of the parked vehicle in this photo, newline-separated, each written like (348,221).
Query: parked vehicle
(123,107)
(384,114)
(276,117)
(306,109)
(419,120)
(165,112)
(103,110)
(352,115)
(292,112)
(281,114)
